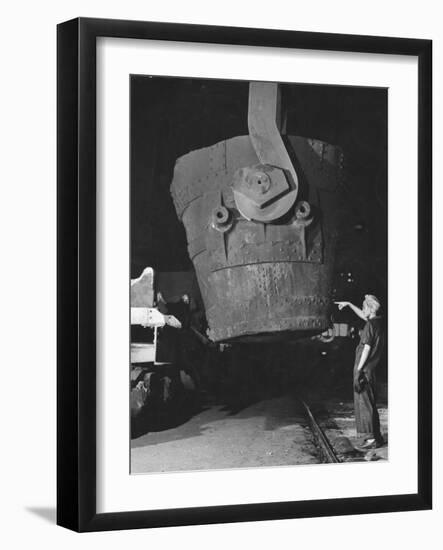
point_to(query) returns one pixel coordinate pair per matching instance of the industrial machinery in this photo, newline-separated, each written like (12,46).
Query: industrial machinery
(153,368)
(159,343)
(259,214)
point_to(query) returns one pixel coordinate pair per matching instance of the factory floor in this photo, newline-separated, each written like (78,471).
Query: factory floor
(247,419)
(271,432)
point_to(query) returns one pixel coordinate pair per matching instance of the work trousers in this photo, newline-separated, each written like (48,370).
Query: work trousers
(366,413)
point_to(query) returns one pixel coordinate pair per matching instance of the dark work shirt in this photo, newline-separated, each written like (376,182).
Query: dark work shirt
(373,336)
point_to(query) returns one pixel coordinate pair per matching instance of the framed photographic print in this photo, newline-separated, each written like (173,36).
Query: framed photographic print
(244,274)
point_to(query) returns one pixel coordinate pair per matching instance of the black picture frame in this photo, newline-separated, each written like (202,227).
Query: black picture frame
(76,295)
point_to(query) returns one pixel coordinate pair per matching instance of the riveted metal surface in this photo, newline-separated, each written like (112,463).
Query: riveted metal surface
(268,298)
(258,278)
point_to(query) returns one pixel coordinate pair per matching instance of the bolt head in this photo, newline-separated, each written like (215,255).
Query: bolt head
(260,184)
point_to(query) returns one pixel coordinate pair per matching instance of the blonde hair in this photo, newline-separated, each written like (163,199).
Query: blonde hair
(372,302)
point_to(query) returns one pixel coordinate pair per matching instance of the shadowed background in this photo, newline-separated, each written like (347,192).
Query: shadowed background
(172,116)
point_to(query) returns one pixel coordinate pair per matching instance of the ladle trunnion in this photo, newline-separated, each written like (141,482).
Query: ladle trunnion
(259,213)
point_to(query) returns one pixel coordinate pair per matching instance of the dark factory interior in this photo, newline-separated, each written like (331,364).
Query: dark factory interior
(171,117)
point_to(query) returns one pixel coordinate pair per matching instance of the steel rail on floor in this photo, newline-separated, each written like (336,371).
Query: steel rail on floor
(323,441)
